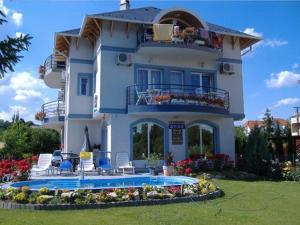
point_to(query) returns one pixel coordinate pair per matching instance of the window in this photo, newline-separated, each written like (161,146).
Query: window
(148,138)
(203,80)
(176,80)
(84,86)
(149,79)
(201,136)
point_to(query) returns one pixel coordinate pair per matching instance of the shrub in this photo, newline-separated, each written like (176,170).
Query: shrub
(33,197)
(256,151)
(43,191)
(21,198)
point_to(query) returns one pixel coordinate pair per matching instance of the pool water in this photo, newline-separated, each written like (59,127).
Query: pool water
(105,183)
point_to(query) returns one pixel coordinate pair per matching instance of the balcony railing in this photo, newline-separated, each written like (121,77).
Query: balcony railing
(54,63)
(182,37)
(53,109)
(171,94)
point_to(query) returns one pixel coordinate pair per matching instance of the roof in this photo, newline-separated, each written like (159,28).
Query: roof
(147,15)
(73,32)
(259,123)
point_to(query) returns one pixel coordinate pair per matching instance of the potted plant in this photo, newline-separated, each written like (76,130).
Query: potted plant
(194,152)
(168,167)
(40,116)
(152,162)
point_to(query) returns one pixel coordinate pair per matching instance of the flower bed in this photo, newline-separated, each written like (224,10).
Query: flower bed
(112,197)
(16,170)
(197,164)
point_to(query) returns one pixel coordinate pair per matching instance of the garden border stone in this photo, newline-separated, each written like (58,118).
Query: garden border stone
(13,205)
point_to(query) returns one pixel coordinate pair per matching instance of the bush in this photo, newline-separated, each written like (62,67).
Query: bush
(20,139)
(256,151)
(21,198)
(43,191)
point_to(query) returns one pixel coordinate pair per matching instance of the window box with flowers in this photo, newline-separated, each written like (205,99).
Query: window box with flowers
(40,116)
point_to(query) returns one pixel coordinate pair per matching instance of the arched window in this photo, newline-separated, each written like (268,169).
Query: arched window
(202,136)
(148,138)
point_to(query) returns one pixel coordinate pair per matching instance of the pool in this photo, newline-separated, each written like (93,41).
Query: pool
(105,183)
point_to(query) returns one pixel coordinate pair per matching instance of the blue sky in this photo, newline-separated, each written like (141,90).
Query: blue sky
(270,71)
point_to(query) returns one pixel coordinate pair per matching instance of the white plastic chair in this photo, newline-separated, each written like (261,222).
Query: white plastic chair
(43,165)
(123,164)
(88,164)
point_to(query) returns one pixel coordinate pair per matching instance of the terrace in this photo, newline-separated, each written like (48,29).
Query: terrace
(176,98)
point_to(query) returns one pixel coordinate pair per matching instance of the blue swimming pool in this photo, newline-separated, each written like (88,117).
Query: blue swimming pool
(105,183)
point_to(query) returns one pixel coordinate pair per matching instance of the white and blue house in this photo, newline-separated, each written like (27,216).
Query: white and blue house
(147,80)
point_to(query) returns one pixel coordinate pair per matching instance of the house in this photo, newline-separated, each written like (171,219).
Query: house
(250,124)
(147,80)
(295,121)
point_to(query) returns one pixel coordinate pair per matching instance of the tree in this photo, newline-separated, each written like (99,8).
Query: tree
(10,49)
(43,140)
(256,151)
(278,142)
(240,140)
(291,145)
(16,139)
(268,123)
(21,139)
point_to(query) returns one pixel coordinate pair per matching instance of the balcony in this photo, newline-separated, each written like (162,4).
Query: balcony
(53,113)
(176,98)
(188,42)
(53,71)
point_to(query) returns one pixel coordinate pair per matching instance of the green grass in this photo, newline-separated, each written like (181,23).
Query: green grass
(255,203)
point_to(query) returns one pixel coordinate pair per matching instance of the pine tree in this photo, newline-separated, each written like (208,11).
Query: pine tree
(10,49)
(291,145)
(278,143)
(268,123)
(256,151)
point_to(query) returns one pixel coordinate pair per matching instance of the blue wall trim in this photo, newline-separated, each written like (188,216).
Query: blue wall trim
(228,60)
(180,45)
(176,108)
(216,134)
(237,116)
(81,61)
(150,120)
(89,76)
(80,116)
(117,49)
(113,110)
(54,119)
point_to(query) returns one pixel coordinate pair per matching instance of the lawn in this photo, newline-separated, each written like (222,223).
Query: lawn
(259,202)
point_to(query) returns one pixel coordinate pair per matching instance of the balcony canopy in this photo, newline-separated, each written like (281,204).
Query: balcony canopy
(182,16)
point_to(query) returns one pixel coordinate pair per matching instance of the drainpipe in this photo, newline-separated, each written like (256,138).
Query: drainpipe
(124,4)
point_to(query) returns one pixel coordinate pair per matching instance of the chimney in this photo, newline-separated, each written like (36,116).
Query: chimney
(124,4)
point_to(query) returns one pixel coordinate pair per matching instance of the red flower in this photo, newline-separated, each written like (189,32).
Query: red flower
(180,171)
(188,170)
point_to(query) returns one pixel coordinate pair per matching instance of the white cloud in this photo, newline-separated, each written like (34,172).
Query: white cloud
(295,65)
(286,101)
(23,95)
(251,31)
(5,116)
(271,43)
(19,34)
(3,8)
(25,80)
(17,18)
(23,112)
(283,79)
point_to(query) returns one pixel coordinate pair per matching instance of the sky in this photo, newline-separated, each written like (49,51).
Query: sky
(270,71)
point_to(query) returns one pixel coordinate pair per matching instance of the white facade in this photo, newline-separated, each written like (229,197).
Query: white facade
(97,92)
(295,128)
